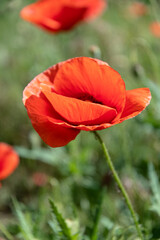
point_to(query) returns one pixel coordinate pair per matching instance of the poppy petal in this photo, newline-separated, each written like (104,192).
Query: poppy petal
(136,101)
(38,11)
(77,111)
(87,77)
(51,24)
(53,134)
(93,127)
(96,7)
(46,77)
(48,123)
(69,16)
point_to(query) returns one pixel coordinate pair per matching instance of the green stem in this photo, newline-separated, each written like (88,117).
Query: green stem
(116,177)
(155,8)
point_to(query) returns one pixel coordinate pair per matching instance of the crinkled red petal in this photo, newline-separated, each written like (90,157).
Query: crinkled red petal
(49,125)
(87,77)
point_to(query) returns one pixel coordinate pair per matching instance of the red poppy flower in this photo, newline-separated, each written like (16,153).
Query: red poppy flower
(80,94)
(137,9)
(58,15)
(40,179)
(155,29)
(9,160)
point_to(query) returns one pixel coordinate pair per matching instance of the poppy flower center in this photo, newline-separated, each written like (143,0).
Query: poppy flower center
(88,98)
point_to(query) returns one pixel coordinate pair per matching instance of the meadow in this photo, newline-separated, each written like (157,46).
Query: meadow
(69,193)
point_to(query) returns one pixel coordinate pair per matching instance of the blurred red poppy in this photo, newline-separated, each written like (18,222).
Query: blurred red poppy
(39,179)
(155,29)
(9,160)
(137,9)
(58,15)
(80,94)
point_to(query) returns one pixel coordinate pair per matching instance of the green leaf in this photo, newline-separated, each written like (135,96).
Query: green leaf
(5,232)
(46,155)
(25,226)
(63,226)
(155,187)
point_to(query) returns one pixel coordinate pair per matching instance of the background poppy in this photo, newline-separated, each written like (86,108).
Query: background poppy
(56,16)
(155,29)
(9,160)
(137,9)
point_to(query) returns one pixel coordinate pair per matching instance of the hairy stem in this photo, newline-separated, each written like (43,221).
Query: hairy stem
(120,185)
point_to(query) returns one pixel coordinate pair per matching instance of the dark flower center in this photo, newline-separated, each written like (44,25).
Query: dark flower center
(88,98)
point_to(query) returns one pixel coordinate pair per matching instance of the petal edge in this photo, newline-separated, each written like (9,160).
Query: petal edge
(136,101)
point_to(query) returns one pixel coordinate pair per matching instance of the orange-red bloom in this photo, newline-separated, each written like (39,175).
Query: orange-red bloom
(58,15)
(9,160)
(80,94)
(137,9)
(155,29)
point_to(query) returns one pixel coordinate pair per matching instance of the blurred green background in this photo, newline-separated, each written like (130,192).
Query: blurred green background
(76,174)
